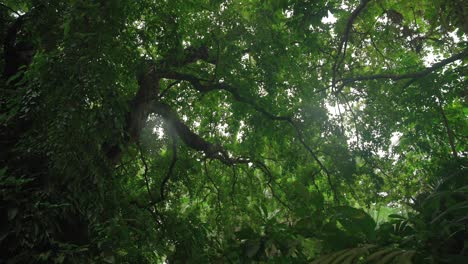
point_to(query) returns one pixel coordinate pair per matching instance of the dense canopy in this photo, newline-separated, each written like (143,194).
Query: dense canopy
(236,131)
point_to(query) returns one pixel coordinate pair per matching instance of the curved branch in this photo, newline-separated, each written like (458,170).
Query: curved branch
(450,134)
(319,162)
(412,75)
(192,140)
(162,195)
(163,93)
(145,175)
(200,144)
(205,86)
(169,171)
(344,40)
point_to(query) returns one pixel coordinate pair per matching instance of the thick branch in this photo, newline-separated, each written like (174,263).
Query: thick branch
(204,86)
(140,105)
(350,23)
(412,75)
(192,140)
(148,82)
(17,51)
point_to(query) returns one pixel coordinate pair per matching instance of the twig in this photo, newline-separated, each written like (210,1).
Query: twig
(11,9)
(322,166)
(171,168)
(218,193)
(234,181)
(145,174)
(267,172)
(448,130)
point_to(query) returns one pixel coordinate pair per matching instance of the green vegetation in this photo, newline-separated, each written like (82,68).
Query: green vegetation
(237,131)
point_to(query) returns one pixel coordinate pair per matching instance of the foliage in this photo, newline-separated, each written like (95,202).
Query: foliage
(235,131)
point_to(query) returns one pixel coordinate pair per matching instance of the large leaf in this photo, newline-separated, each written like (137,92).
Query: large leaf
(355,221)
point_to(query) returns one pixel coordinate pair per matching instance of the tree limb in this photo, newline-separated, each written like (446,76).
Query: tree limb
(449,131)
(201,145)
(344,40)
(311,152)
(11,9)
(148,91)
(192,140)
(204,86)
(169,171)
(412,75)
(145,175)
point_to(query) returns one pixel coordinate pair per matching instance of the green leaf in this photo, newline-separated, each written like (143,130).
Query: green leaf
(251,248)
(12,212)
(379,254)
(355,220)
(397,216)
(109,259)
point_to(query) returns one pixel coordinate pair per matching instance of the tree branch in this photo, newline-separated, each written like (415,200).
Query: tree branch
(213,151)
(169,171)
(11,9)
(145,175)
(344,40)
(205,86)
(412,75)
(163,93)
(192,140)
(311,152)
(200,144)
(449,131)
(148,91)
(267,172)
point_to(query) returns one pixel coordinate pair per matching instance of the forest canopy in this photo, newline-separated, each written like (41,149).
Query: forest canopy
(236,131)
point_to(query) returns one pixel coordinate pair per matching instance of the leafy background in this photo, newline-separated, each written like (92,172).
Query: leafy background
(233,131)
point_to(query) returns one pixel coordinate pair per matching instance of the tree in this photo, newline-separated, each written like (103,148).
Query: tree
(229,131)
